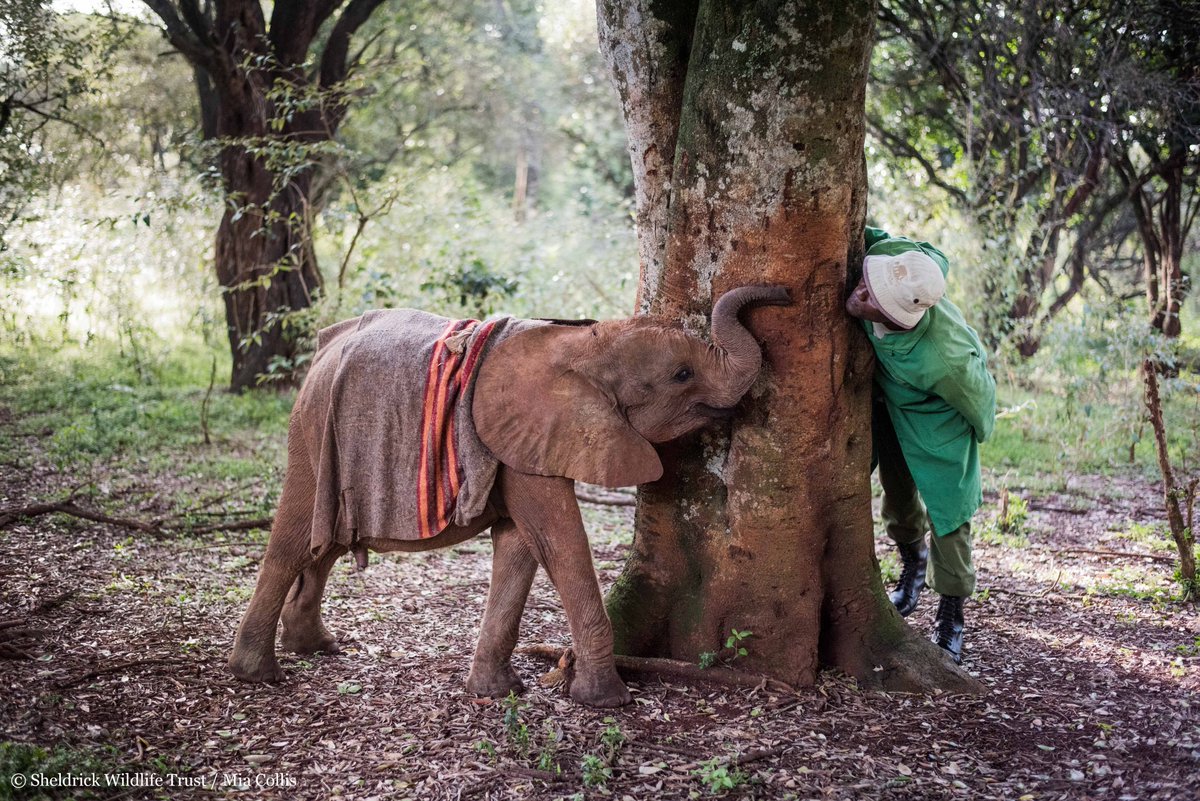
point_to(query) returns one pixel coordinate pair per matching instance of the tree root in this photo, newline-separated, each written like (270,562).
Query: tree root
(919,666)
(635,666)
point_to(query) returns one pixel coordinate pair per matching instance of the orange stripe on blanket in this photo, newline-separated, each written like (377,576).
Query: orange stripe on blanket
(450,369)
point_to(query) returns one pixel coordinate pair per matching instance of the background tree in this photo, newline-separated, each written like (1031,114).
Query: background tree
(1056,128)
(1009,108)
(49,64)
(271,93)
(1158,155)
(746,127)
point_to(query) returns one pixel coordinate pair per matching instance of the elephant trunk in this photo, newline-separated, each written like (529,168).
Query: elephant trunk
(738,351)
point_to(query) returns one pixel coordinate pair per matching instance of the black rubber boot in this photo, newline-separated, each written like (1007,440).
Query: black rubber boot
(948,626)
(912,577)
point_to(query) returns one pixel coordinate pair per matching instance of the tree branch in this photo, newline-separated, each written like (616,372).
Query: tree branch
(337,48)
(901,147)
(181,36)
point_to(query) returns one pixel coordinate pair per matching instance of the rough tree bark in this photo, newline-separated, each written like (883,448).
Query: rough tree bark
(246,70)
(745,126)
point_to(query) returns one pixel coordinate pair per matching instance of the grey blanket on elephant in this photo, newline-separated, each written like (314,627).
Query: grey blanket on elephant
(396,455)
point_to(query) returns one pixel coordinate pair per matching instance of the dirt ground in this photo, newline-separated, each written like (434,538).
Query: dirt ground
(1092,677)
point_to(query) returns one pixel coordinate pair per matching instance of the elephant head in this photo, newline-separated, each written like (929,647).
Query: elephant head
(588,402)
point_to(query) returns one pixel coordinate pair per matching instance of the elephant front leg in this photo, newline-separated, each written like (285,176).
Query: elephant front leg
(547,516)
(513,569)
(303,630)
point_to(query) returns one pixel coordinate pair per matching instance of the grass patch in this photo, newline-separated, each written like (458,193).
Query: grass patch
(1045,426)
(136,428)
(1150,535)
(72,770)
(1136,583)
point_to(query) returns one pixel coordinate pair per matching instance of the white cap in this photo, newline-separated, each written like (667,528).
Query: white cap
(904,285)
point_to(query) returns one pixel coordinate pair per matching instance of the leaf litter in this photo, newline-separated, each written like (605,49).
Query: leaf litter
(1092,686)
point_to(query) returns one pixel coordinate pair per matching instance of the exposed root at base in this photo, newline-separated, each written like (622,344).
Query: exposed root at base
(635,666)
(919,666)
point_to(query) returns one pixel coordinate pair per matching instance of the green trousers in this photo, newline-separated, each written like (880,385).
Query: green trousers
(950,571)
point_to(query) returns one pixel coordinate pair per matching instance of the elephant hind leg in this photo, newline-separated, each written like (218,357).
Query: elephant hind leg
(513,569)
(303,630)
(253,657)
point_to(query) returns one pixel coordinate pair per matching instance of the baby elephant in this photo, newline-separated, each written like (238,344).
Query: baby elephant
(415,432)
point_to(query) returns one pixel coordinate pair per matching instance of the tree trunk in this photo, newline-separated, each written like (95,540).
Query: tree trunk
(265,265)
(764,525)
(244,69)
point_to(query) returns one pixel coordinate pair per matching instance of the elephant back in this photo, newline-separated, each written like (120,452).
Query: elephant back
(394,448)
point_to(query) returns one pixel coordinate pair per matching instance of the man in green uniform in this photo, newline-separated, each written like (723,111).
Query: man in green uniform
(934,403)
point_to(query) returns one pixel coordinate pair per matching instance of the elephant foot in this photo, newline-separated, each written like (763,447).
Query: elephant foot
(310,642)
(602,689)
(495,682)
(257,669)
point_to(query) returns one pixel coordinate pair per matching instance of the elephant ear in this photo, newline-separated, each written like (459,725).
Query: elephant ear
(539,415)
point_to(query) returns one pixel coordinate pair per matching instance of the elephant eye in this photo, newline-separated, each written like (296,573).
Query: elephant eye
(682,374)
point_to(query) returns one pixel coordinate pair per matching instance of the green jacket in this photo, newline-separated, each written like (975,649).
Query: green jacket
(940,396)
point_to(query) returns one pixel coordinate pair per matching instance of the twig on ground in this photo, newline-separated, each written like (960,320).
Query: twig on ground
(91,674)
(53,603)
(666,748)
(759,753)
(1043,507)
(1130,554)
(157,526)
(10,515)
(1041,594)
(228,525)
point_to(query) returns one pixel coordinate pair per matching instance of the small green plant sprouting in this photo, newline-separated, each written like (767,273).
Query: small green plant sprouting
(546,760)
(733,650)
(1189,649)
(514,724)
(612,738)
(486,748)
(596,771)
(1008,526)
(597,768)
(734,643)
(718,777)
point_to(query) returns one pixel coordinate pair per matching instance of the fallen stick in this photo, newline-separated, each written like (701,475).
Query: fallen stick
(1130,554)
(759,753)
(1067,510)
(157,526)
(674,668)
(10,515)
(229,525)
(91,674)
